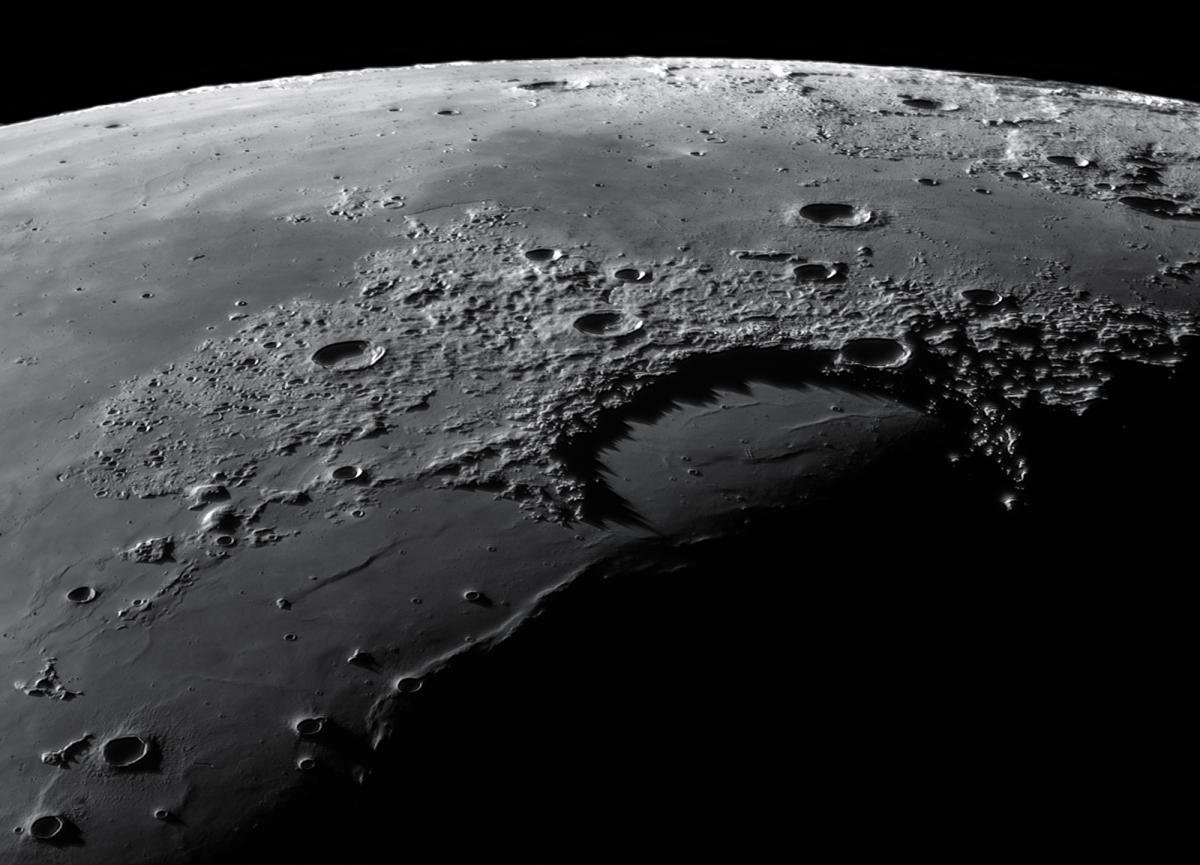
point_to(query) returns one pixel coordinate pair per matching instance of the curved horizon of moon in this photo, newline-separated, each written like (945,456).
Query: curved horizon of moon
(318,386)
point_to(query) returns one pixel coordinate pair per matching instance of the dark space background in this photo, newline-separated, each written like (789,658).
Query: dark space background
(59,63)
(936,675)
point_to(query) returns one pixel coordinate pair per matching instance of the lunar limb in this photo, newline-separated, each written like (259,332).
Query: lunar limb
(328,396)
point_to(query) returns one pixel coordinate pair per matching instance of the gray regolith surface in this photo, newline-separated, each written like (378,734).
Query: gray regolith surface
(497,259)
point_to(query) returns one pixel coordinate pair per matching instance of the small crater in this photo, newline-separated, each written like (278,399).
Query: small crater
(981,296)
(447,112)
(408,684)
(542,85)
(48,827)
(348,355)
(820,271)
(541,255)
(82,595)
(310,726)
(874,352)
(928,181)
(607,323)
(306,764)
(836,215)
(162,814)
(346,473)
(127,752)
(225,540)
(631,274)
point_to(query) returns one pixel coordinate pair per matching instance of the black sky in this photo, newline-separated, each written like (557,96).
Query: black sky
(115,60)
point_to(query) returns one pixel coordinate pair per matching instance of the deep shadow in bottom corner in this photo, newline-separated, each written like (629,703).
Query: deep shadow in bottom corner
(898,653)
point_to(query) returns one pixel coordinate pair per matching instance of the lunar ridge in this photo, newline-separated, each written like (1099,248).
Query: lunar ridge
(337,402)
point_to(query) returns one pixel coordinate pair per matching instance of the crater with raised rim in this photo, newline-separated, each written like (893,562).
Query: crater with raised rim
(82,595)
(348,355)
(607,323)
(127,752)
(836,214)
(48,827)
(820,271)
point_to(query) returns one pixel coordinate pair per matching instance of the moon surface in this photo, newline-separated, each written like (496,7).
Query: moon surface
(338,406)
